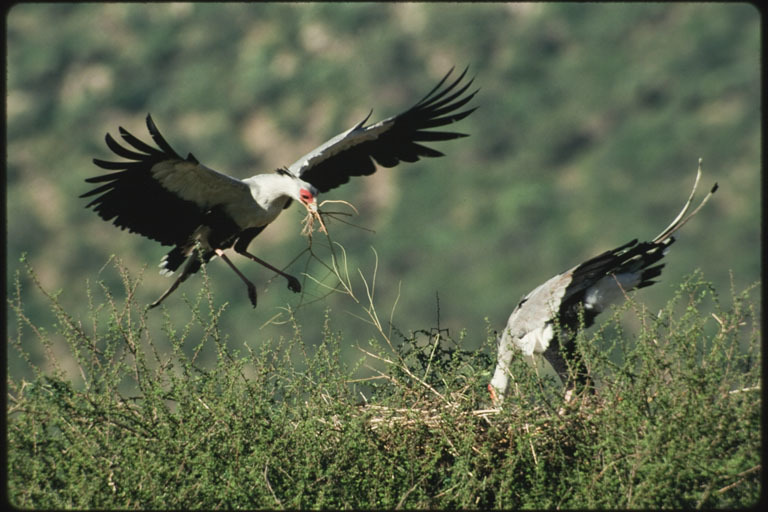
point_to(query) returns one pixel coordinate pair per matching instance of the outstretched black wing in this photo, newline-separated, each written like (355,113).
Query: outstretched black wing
(389,142)
(155,192)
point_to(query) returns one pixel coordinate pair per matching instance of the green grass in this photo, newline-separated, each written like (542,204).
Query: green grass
(141,421)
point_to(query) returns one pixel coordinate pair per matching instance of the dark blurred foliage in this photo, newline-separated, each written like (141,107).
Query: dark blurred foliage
(592,119)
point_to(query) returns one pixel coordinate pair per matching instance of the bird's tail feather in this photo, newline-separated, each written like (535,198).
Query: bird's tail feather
(681,218)
(181,253)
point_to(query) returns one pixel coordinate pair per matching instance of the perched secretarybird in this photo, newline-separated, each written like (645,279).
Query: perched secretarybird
(589,287)
(181,203)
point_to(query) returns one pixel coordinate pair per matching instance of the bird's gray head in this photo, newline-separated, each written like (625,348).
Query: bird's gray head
(307,195)
(267,189)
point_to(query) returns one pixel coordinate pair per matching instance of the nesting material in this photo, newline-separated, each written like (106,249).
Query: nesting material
(316,214)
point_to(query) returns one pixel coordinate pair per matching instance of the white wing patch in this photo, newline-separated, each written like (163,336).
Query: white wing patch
(610,290)
(536,341)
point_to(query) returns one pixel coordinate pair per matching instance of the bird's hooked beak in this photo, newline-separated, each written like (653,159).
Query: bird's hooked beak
(308,200)
(313,210)
(310,203)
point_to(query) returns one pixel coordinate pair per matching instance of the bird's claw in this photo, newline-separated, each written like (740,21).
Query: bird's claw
(252,294)
(293,284)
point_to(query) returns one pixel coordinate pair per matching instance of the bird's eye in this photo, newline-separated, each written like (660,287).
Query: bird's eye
(305,194)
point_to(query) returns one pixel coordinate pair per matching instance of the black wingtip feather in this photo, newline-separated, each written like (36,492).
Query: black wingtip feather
(159,139)
(121,150)
(362,123)
(136,143)
(394,140)
(110,166)
(131,198)
(439,84)
(430,136)
(442,100)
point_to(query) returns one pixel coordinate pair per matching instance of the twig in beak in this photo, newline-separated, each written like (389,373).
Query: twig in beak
(342,202)
(314,213)
(309,220)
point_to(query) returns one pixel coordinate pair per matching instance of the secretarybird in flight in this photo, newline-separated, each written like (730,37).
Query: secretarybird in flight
(590,287)
(179,202)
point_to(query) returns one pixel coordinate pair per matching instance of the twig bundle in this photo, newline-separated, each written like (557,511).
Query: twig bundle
(316,214)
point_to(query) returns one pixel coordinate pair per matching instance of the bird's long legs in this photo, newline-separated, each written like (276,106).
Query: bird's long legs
(248,283)
(186,273)
(175,285)
(182,277)
(293,283)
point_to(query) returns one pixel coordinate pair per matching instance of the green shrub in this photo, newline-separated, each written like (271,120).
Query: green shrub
(142,422)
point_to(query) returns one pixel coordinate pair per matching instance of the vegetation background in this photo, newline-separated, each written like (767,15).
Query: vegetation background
(592,119)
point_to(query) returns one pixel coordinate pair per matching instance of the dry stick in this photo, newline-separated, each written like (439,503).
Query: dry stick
(526,426)
(308,221)
(344,280)
(315,214)
(407,372)
(399,505)
(371,310)
(346,283)
(744,390)
(266,479)
(432,354)
(394,305)
(333,267)
(740,480)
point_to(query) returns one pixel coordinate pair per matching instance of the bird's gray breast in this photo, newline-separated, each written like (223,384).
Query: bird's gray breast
(247,213)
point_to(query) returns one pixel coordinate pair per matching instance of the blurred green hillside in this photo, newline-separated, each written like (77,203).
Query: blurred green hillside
(591,120)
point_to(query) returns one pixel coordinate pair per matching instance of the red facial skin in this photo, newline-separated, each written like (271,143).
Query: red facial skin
(306,196)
